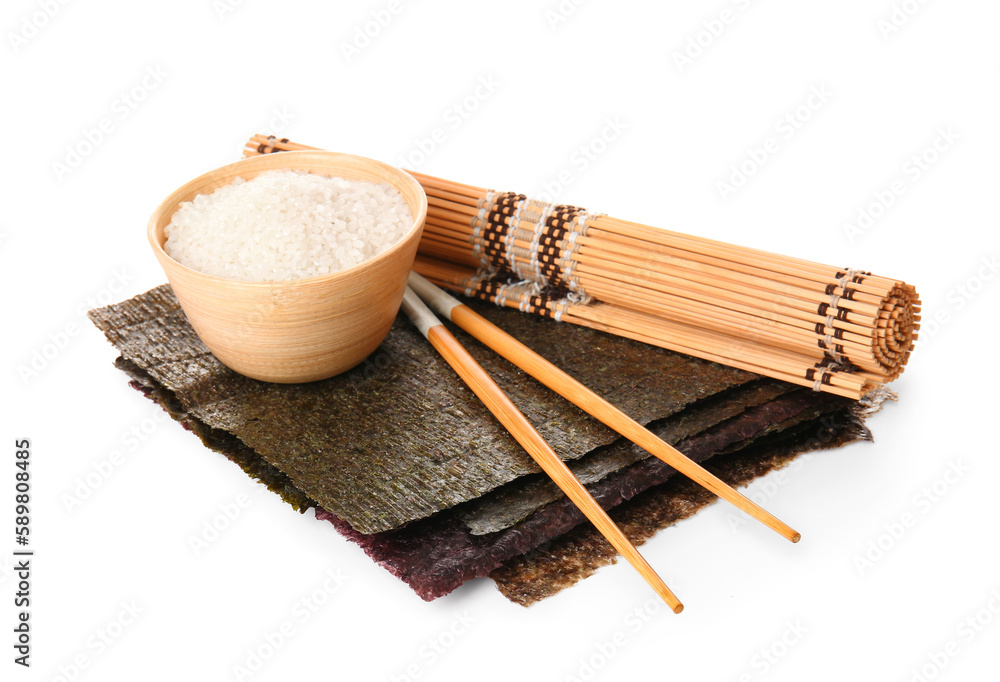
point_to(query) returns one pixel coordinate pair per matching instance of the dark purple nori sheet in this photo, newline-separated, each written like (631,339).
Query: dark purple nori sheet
(400,437)
(577,554)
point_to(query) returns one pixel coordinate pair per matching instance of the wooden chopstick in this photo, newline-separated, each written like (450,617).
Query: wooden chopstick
(515,422)
(554,378)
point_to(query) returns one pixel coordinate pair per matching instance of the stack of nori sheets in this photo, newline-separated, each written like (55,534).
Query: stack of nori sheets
(403,460)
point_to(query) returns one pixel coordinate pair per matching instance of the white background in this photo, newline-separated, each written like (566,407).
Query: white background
(75,236)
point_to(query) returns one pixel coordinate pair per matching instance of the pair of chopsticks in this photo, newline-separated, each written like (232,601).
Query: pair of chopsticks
(554,378)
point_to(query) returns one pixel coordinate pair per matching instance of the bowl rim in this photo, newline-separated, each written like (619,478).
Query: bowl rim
(417,225)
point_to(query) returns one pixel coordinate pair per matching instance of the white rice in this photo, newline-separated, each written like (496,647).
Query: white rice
(284,225)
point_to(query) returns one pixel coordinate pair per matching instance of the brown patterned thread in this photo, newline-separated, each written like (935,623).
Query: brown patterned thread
(271,146)
(505,221)
(827,332)
(821,374)
(499,290)
(495,246)
(835,358)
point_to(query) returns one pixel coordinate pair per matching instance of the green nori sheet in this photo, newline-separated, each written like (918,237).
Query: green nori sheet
(400,437)
(576,555)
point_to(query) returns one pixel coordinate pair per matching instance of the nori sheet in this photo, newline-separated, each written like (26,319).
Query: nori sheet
(578,554)
(400,437)
(438,554)
(433,554)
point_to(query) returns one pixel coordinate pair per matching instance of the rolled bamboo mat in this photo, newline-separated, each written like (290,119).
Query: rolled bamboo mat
(833,329)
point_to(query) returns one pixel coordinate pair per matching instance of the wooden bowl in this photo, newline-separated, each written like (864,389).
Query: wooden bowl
(298,330)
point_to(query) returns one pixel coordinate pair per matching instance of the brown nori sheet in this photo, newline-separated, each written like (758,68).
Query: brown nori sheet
(513,502)
(400,437)
(576,555)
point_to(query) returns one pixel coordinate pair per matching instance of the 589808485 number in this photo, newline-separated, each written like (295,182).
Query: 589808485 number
(22,491)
